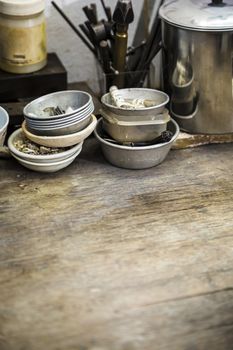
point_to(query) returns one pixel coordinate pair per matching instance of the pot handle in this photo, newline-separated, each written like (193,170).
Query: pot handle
(160,119)
(218,3)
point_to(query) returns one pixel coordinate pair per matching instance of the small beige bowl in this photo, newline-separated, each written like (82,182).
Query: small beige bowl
(63,140)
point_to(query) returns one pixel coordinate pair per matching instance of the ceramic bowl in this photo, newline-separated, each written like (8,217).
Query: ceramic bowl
(46,158)
(135,157)
(48,167)
(63,140)
(4,121)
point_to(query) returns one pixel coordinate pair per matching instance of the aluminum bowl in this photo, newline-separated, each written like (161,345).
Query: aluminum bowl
(135,157)
(63,129)
(64,120)
(4,121)
(135,131)
(160,99)
(77,100)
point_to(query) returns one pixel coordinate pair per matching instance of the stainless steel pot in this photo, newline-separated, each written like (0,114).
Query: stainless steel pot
(140,157)
(197,63)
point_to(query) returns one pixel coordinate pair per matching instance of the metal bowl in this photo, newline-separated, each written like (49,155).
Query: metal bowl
(160,99)
(135,157)
(135,131)
(70,128)
(66,119)
(77,100)
(4,121)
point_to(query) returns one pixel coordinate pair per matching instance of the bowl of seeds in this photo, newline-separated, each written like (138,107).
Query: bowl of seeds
(38,157)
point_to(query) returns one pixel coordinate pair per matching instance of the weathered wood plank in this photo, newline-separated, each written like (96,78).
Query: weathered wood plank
(186,140)
(96,257)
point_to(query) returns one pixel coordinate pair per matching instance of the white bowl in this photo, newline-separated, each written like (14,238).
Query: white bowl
(4,121)
(45,158)
(47,167)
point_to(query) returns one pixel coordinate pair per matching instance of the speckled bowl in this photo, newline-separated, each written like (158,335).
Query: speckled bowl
(48,167)
(62,140)
(46,158)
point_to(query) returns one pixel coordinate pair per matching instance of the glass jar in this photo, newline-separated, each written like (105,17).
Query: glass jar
(22,36)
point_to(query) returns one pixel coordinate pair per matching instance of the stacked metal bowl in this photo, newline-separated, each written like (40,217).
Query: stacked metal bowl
(135,115)
(59,113)
(136,130)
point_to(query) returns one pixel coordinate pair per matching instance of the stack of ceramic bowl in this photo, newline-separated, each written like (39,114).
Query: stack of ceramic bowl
(133,121)
(49,160)
(62,119)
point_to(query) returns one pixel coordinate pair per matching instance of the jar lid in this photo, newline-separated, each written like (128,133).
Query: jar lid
(202,15)
(21,7)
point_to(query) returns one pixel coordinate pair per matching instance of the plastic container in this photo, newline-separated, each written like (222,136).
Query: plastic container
(22,36)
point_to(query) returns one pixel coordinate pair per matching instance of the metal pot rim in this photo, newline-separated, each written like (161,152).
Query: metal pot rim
(197,29)
(198,15)
(137,109)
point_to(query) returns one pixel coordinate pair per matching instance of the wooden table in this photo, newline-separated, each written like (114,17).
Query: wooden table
(100,258)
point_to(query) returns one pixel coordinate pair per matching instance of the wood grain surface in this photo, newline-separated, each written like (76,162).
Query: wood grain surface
(100,258)
(186,140)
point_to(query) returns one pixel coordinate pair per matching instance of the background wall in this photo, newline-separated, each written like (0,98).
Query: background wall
(77,59)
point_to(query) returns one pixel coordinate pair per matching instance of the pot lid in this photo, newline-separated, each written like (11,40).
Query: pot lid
(203,15)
